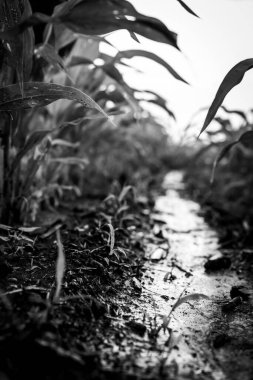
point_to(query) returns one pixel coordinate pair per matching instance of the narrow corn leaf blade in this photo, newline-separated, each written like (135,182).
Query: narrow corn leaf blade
(185,6)
(60,266)
(159,101)
(112,238)
(233,78)
(146,54)
(124,192)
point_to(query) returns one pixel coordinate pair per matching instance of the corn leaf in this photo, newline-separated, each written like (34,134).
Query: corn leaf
(233,78)
(98,17)
(104,16)
(37,94)
(60,267)
(185,6)
(157,100)
(146,54)
(112,238)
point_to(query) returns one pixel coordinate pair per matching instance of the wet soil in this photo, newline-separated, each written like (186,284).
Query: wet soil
(151,310)
(210,339)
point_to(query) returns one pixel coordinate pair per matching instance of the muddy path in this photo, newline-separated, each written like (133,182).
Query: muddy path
(201,339)
(154,313)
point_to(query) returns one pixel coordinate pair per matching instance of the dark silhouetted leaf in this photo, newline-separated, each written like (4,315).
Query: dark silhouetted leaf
(236,112)
(104,16)
(146,54)
(134,37)
(110,59)
(233,78)
(163,106)
(185,6)
(157,100)
(112,72)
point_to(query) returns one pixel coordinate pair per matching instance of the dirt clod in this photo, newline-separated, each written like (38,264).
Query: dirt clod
(218,263)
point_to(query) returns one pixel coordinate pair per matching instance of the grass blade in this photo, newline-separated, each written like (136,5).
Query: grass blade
(60,267)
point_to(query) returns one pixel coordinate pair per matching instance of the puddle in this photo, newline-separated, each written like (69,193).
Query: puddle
(192,241)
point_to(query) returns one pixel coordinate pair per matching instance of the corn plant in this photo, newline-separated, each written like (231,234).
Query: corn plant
(33,76)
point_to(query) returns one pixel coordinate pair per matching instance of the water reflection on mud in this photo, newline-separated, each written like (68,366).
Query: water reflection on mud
(184,349)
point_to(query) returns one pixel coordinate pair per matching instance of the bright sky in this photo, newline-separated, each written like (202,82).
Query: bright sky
(210,46)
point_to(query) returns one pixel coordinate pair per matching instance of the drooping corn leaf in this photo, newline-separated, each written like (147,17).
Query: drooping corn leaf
(161,104)
(146,54)
(37,94)
(110,59)
(159,101)
(185,6)
(233,78)
(104,16)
